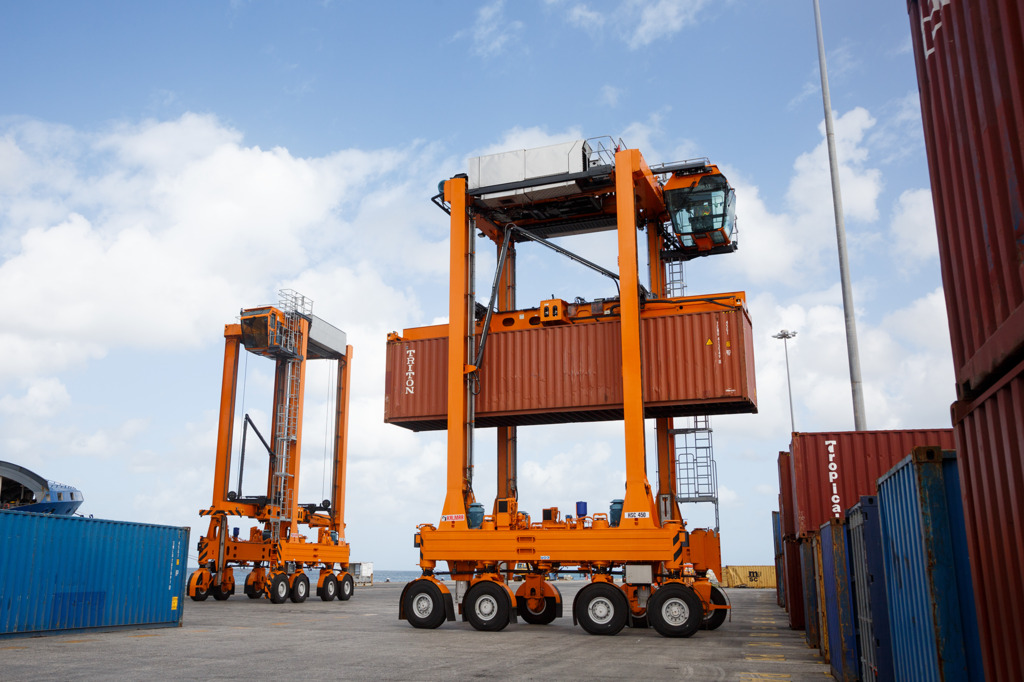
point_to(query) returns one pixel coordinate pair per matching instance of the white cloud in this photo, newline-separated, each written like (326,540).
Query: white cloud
(789,246)
(912,228)
(492,31)
(168,227)
(584,17)
(660,19)
(44,397)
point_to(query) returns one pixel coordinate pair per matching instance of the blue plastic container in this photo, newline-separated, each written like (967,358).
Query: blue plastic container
(581,509)
(932,617)
(842,637)
(867,582)
(475,516)
(62,573)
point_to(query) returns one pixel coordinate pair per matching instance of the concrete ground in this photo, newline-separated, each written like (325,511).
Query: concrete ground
(362,639)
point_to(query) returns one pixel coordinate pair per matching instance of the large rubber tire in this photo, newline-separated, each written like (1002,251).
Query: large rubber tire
(601,609)
(279,588)
(424,605)
(547,613)
(200,595)
(250,588)
(714,618)
(219,593)
(329,588)
(346,587)
(486,606)
(675,610)
(300,589)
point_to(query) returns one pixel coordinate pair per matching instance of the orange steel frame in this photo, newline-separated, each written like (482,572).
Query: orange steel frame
(507,536)
(217,551)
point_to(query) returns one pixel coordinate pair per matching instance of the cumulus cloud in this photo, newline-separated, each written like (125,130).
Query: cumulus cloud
(661,19)
(912,228)
(492,31)
(773,244)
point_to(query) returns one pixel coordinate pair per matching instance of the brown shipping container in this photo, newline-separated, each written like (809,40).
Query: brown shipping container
(786,509)
(970,62)
(832,470)
(990,442)
(693,363)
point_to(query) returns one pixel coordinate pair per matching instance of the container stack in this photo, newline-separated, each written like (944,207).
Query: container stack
(886,586)
(969,56)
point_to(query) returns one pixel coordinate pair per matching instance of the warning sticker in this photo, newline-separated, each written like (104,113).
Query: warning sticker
(453,517)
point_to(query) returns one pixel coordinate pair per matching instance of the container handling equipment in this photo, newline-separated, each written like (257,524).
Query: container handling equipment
(687,210)
(277,553)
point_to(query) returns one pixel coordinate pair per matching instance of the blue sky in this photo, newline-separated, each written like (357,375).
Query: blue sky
(163,166)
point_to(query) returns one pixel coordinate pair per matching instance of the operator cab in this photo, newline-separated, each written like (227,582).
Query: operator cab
(702,208)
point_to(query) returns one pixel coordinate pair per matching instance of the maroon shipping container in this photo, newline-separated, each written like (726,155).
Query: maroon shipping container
(693,363)
(970,62)
(794,585)
(832,470)
(787,512)
(990,441)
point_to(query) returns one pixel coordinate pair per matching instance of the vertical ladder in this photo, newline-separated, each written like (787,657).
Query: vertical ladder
(675,278)
(294,306)
(697,473)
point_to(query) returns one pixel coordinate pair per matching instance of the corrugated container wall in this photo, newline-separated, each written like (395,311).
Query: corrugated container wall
(780,581)
(927,573)
(787,513)
(794,584)
(842,642)
(832,470)
(970,57)
(64,573)
(990,436)
(809,589)
(777,533)
(819,591)
(867,577)
(693,364)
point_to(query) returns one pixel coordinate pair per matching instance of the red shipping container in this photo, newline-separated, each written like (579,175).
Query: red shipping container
(786,509)
(990,441)
(832,470)
(970,61)
(794,585)
(693,363)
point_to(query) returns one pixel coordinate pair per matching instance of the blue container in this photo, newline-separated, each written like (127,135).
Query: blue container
(932,618)
(810,595)
(63,573)
(777,532)
(867,583)
(475,517)
(842,637)
(615,513)
(581,509)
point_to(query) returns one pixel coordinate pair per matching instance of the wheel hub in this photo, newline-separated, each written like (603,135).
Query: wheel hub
(422,604)
(675,611)
(486,606)
(600,610)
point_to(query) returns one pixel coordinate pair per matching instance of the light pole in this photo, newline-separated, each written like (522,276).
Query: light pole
(785,335)
(852,351)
